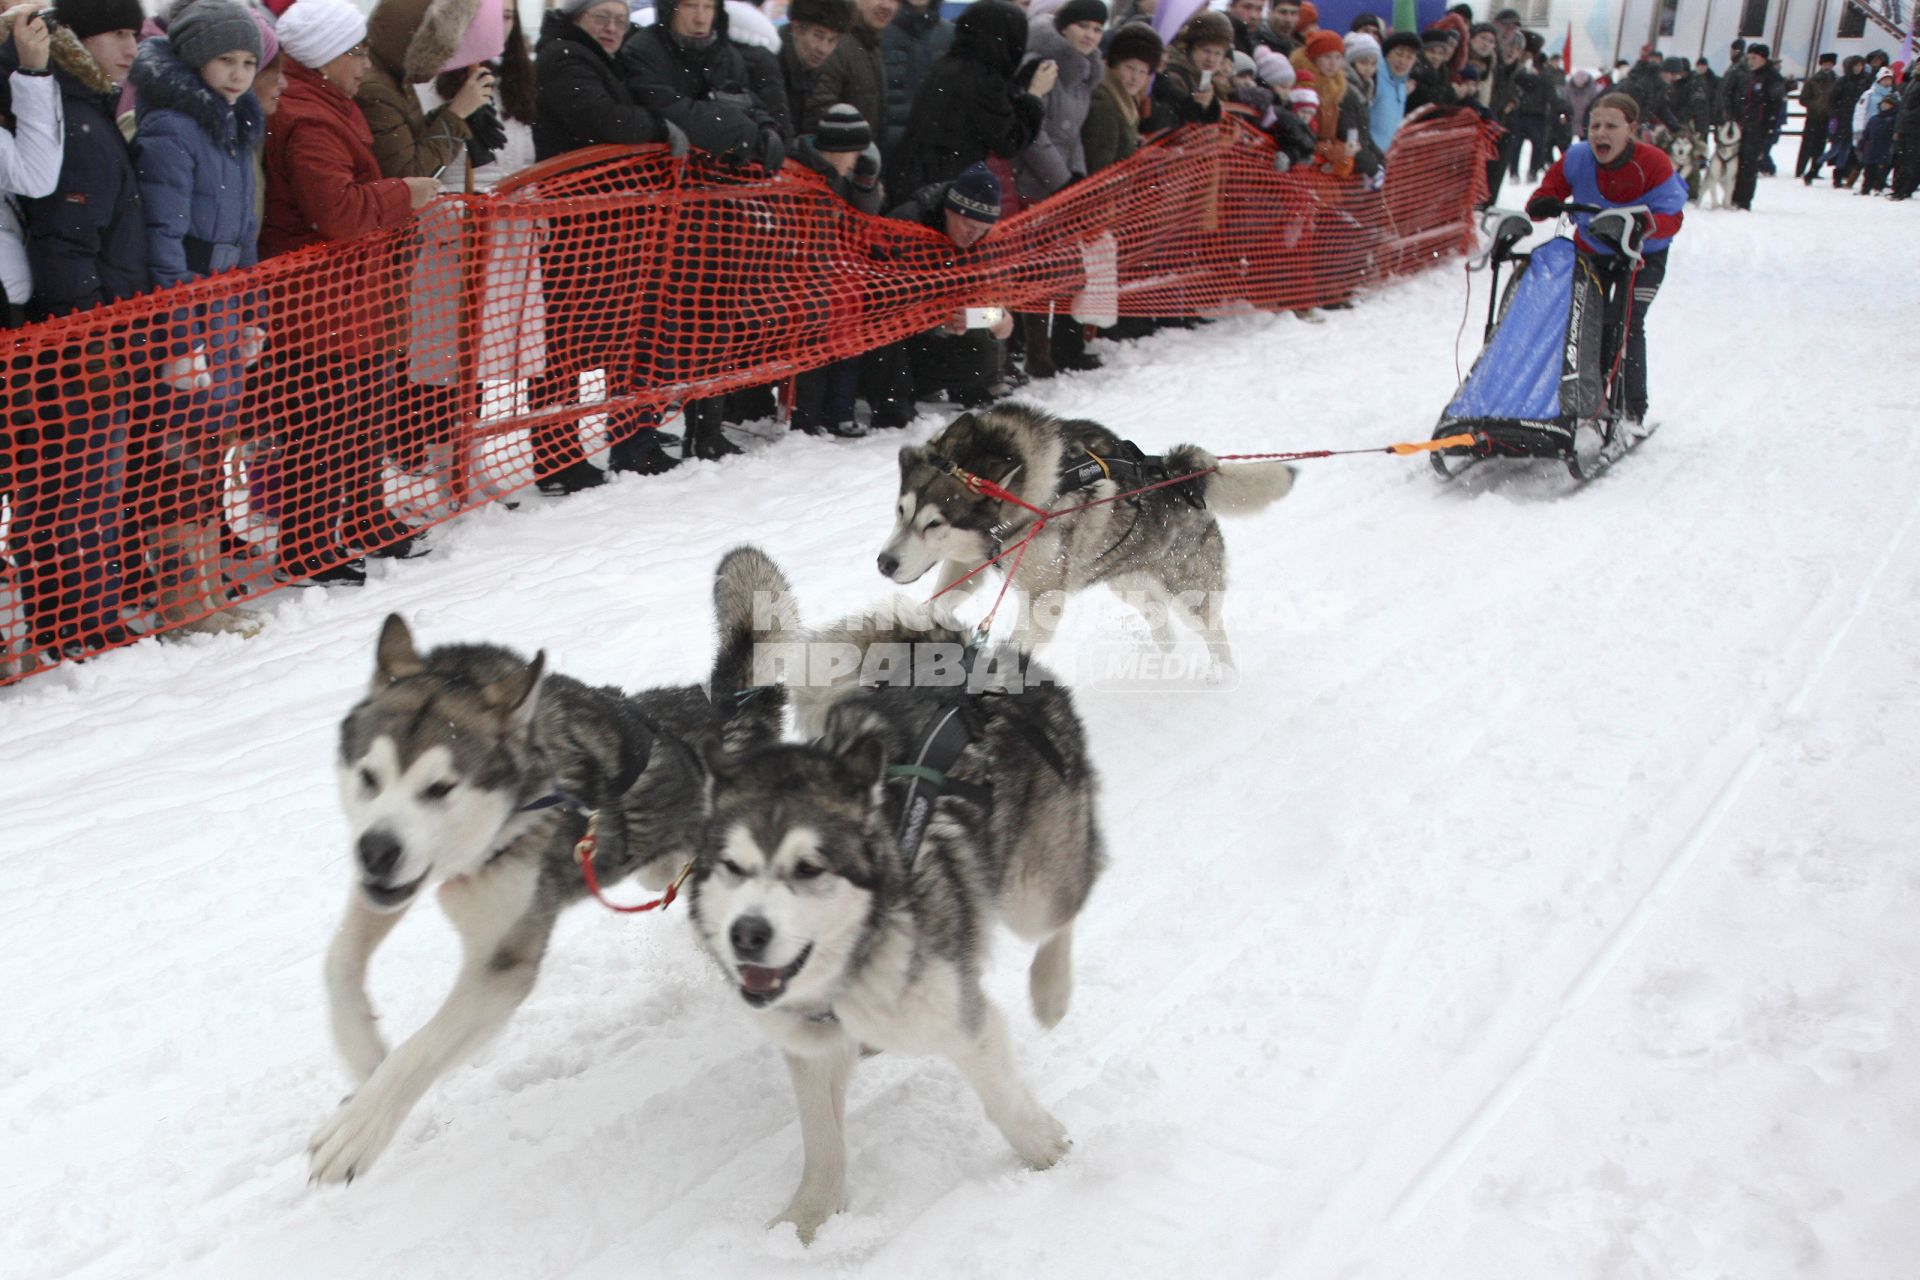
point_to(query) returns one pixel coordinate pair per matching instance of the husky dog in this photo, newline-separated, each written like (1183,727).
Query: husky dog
(467,767)
(848,888)
(1723,166)
(1684,150)
(1161,551)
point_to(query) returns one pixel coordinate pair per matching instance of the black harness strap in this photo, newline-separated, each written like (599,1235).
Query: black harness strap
(927,780)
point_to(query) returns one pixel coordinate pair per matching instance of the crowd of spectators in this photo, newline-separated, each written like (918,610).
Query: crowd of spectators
(142,152)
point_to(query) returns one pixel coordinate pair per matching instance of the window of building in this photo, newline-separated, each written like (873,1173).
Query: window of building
(1853,22)
(1753,19)
(1667,10)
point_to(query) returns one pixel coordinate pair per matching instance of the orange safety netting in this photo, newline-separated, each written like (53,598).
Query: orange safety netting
(168,454)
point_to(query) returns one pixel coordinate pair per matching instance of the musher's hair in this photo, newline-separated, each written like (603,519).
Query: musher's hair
(1623,103)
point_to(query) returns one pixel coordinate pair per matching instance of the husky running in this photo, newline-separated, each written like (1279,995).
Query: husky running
(470,768)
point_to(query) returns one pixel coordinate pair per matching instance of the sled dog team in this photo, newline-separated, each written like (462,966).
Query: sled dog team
(845,880)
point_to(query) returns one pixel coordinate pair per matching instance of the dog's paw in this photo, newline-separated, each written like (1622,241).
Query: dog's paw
(808,1213)
(347,1145)
(1041,1142)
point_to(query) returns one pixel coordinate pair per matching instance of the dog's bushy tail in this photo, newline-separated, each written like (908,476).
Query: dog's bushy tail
(753,608)
(1235,489)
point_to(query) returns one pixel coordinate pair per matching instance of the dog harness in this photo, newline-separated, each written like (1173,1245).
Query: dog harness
(927,780)
(1127,465)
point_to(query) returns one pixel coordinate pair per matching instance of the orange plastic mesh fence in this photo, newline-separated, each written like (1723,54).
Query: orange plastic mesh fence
(172,453)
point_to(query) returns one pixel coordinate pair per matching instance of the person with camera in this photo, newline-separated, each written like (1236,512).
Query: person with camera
(409,41)
(32,144)
(1613,169)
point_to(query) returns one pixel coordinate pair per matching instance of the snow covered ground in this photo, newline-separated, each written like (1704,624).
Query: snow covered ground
(1542,903)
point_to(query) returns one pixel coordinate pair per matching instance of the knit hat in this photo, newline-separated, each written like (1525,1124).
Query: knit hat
(1400,40)
(834,15)
(1359,44)
(1135,42)
(1320,42)
(1243,64)
(1078,11)
(1309,14)
(1274,71)
(202,30)
(1304,97)
(1436,35)
(842,128)
(315,32)
(269,39)
(1760,49)
(1206,27)
(974,194)
(89,18)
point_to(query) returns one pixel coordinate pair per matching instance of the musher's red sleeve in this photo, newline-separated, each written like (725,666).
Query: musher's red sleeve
(1553,183)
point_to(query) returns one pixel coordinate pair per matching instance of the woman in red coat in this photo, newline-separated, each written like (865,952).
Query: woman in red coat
(323,184)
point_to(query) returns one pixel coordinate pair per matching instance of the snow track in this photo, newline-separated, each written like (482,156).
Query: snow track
(1542,903)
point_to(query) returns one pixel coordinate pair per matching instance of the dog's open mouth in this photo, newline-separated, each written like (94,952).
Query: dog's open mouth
(760,985)
(388,896)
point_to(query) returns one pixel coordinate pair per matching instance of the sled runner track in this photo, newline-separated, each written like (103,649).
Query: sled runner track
(1734,764)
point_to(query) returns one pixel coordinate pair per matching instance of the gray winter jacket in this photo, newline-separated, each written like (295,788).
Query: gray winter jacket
(1057,155)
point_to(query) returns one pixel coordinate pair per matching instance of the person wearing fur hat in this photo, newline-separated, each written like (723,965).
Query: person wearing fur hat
(1111,131)
(918,37)
(323,184)
(814,30)
(975,102)
(1197,79)
(856,74)
(410,41)
(32,143)
(199,125)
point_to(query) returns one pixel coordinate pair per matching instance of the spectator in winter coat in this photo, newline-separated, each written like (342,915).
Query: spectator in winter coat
(1245,17)
(32,142)
(1906,141)
(324,184)
(582,101)
(841,150)
(1583,90)
(1646,87)
(1854,82)
(1292,136)
(1816,98)
(916,38)
(1070,38)
(86,240)
(1197,78)
(856,74)
(1320,64)
(969,107)
(962,362)
(1759,111)
(1876,147)
(1392,87)
(1279,32)
(1431,80)
(755,39)
(814,30)
(1356,109)
(1111,131)
(199,125)
(1612,169)
(685,70)
(410,41)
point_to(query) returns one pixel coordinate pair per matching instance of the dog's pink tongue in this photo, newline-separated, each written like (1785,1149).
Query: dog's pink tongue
(758,979)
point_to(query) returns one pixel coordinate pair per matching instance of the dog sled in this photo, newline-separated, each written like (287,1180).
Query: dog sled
(1546,383)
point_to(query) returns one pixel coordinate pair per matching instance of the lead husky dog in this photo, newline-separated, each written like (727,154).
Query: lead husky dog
(1723,167)
(1162,551)
(470,767)
(848,888)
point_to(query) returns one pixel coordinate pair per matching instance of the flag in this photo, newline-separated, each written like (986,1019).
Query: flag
(1566,51)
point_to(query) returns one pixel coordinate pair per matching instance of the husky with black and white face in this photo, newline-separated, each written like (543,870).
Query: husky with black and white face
(838,934)
(469,767)
(1160,551)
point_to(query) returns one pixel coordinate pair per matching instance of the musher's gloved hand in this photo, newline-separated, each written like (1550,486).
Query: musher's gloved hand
(1540,208)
